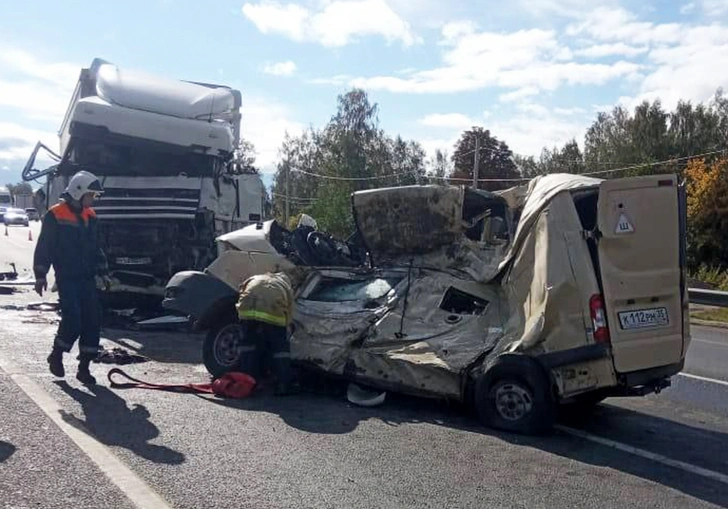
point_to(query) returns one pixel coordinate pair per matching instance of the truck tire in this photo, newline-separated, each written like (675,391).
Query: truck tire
(222,349)
(514,393)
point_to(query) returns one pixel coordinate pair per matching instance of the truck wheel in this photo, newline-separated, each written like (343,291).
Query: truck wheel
(222,349)
(514,394)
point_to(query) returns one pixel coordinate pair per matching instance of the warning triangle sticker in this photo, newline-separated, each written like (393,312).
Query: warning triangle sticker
(624,225)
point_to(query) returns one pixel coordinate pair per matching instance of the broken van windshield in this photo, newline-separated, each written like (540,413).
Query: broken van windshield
(341,290)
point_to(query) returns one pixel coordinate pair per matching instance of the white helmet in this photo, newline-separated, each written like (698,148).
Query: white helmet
(306,220)
(81,183)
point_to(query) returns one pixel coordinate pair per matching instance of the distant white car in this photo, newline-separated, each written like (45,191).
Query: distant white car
(15,216)
(33,214)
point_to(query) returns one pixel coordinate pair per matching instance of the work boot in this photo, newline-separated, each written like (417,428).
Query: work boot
(55,362)
(84,374)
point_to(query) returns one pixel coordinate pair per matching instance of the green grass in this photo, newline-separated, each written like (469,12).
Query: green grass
(711,315)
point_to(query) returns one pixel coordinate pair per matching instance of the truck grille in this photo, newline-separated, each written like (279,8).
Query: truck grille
(171,201)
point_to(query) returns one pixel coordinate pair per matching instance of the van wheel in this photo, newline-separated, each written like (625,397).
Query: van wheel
(514,394)
(223,349)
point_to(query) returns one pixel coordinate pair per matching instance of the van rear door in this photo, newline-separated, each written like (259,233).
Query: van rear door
(641,237)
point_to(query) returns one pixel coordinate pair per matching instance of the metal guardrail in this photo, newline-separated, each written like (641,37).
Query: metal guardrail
(708,297)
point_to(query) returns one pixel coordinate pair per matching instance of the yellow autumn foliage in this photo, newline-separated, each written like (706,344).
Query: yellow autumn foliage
(707,203)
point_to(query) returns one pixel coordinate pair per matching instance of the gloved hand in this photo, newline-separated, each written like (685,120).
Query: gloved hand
(103,282)
(41,284)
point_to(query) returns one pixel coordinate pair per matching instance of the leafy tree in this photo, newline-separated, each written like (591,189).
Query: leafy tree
(707,189)
(244,158)
(440,166)
(323,167)
(495,159)
(20,189)
(527,166)
(694,130)
(567,159)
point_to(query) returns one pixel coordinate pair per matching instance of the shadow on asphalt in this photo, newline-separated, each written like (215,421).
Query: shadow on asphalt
(111,422)
(324,409)
(160,346)
(6,450)
(697,446)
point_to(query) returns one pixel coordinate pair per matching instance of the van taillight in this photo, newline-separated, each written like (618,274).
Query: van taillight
(599,319)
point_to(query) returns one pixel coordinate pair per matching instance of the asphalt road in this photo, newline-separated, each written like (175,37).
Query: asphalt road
(708,353)
(15,247)
(317,450)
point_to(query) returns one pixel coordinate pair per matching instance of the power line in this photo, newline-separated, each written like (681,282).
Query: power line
(657,163)
(300,198)
(354,179)
(521,179)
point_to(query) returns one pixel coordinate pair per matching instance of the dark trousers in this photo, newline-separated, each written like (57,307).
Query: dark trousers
(265,342)
(80,316)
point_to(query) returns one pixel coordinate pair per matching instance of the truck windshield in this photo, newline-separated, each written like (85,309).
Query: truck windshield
(138,160)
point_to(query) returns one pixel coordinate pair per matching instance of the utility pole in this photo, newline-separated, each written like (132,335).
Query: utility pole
(288,192)
(477,159)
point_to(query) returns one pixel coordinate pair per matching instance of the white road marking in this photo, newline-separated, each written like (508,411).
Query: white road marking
(136,490)
(659,458)
(704,379)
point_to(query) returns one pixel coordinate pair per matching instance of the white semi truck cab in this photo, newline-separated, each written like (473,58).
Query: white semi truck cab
(163,150)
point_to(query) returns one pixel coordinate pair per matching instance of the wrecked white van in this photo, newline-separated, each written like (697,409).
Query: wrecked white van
(565,291)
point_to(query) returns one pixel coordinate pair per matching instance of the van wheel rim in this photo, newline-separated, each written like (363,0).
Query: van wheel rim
(228,345)
(513,401)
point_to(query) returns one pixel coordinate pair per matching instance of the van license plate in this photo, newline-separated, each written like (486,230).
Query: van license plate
(643,318)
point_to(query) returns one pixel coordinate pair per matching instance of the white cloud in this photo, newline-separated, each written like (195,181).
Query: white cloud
(36,89)
(338,23)
(35,99)
(457,29)
(566,8)
(518,94)
(339,80)
(569,111)
(714,7)
(431,145)
(17,141)
(286,68)
(618,24)
(62,74)
(265,123)
(526,59)
(6,168)
(528,133)
(687,8)
(691,70)
(604,50)
(449,120)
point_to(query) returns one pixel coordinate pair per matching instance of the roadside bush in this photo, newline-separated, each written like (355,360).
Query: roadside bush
(716,277)
(707,190)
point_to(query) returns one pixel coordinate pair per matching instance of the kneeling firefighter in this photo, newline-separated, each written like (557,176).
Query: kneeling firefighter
(68,242)
(265,309)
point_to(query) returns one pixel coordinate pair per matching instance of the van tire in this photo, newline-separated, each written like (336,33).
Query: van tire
(514,393)
(219,349)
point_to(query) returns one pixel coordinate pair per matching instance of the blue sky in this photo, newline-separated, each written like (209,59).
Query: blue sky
(534,72)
